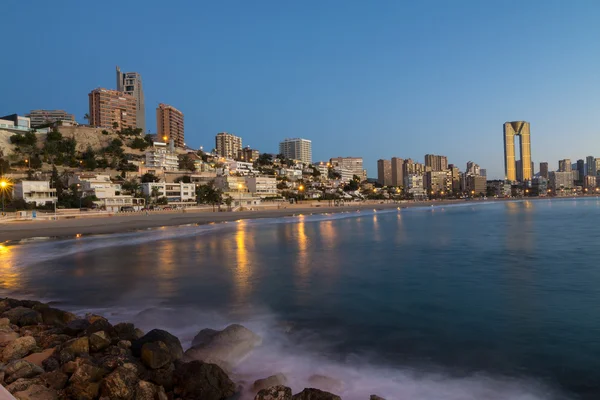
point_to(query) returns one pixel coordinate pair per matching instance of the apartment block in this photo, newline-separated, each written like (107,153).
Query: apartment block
(384,172)
(353,164)
(227,145)
(131,83)
(169,124)
(248,154)
(397,172)
(38,192)
(110,106)
(162,157)
(297,149)
(45,117)
(544,169)
(436,163)
(565,165)
(174,192)
(264,186)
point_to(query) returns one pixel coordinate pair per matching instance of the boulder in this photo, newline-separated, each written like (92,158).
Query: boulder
(162,377)
(23,316)
(198,380)
(51,364)
(226,348)
(119,384)
(54,316)
(274,393)
(94,317)
(5,324)
(36,392)
(326,383)
(375,397)
(7,337)
(76,326)
(18,348)
(124,344)
(273,380)
(21,369)
(39,358)
(315,394)
(84,390)
(99,341)
(155,355)
(87,373)
(46,340)
(149,391)
(33,330)
(101,324)
(158,335)
(55,379)
(127,331)
(21,384)
(77,347)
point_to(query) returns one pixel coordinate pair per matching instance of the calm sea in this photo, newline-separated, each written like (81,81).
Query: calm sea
(474,301)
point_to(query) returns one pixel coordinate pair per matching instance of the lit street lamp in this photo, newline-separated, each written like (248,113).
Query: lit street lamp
(3,188)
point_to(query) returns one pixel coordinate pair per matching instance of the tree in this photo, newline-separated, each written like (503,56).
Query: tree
(186,163)
(89,159)
(351,186)
(265,159)
(132,187)
(209,194)
(183,178)
(228,201)
(87,117)
(57,183)
(316,173)
(115,125)
(155,192)
(148,178)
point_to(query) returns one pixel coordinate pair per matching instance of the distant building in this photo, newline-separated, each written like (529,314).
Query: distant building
(476,185)
(438,182)
(560,180)
(346,175)
(539,185)
(580,171)
(18,123)
(397,172)
(590,163)
(436,163)
(264,186)
(176,193)
(409,167)
(517,171)
(91,184)
(597,161)
(544,170)
(455,175)
(131,83)
(240,167)
(353,164)
(590,182)
(483,172)
(297,149)
(162,157)
(111,106)
(38,192)
(473,169)
(564,165)
(384,172)
(169,124)
(45,117)
(414,186)
(247,154)
(228,145)
(500,188)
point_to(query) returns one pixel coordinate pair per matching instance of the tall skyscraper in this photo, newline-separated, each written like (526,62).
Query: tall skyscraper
(131,84)
(590,164)
(297,149)
(43,117)
(384,172)
(228,145)
(110,106)
(580,171)
(564,165)
(397,174)
(436,163)
(522,130)
(544,169)
(597,160)
(169,124)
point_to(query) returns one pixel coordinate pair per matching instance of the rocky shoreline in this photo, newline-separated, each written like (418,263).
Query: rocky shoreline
(48,354)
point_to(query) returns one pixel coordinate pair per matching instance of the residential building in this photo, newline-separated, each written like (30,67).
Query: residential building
(247,154)
(45,117)
(131,83)
(323,168)
(500,188)
(597,160)
(409,167)
(473,169)
(580,171)
(162,157)
(436,163)
(590,164)
(476,185)
(539,185)
(111,106)
(353,164)
(240,167)
(99,185)
(169,124)
(19,124)
(297,149)
(397,172)
(176,193)
(384,172)
(291,173)
(231,185)
(590,182)
(483,172)
(228,145)
(544,170)
(438,182)
(414,186)
(38,192)
(346,175)
(561,180)
(264,186)
(521,129)
(455,176)
(564,165)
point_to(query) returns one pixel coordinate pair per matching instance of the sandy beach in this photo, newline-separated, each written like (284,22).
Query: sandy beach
(130,222)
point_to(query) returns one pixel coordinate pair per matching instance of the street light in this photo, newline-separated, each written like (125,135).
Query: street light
(3,188)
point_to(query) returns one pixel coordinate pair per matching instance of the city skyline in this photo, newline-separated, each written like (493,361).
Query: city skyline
(411,107)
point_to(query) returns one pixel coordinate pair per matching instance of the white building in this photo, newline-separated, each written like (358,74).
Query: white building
(292,174)
(162,157)
(265,186)
(346,175)
(240,167)
(38,192)
(228,145)
(297,149)
(174,192)
(354,164)
(414,186)
(561,180)
(95,185)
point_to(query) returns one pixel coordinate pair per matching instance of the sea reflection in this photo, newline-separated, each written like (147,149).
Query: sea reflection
(9,276)
(244,246)
(302,270)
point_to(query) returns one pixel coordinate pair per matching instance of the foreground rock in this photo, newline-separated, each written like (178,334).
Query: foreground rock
(226,348)
(199,380)
(315,394)
(272,381)
(278,392)
(157,335)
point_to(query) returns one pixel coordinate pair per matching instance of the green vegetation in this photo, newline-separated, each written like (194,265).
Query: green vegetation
(148,178)
(183,179)
(209,194)
(186,163)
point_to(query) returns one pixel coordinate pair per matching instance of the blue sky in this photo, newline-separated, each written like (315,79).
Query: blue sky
(359,78)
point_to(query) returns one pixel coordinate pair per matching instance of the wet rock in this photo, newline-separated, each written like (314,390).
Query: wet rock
(155,355)
(119,384)
(198,380)
(94,317)
(39,358)
(55,379)
(99,341)
(21,384)
(101,324)
(32,330)
(23,316)
(7,337)
(21,369)
(127,331)
(326,383)
(158,335)
(375,397)
(18,348)
(149,391)
(225,348)
(315,394)
(162,377)
(273,380)
(87,373)
(84,391)
(124,344)
(51,364)
(274,393)
(37,392)
(76,327)
(54,316)
(77,347)
(46,340)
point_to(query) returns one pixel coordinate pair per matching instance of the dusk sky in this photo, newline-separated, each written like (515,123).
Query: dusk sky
(359,78)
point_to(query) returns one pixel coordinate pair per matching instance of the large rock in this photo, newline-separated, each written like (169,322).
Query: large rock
(99,325)
(39,358)
(7,337)
(77,347)
(274,393)
(77,326)
(273,380)
(54,316)
(326,383)
(18,348)
(162,377)
(21,369)
(46,340)
(119,384)
(87,373)
(226,348)
(127,331)
(23,316)
(375,397)
(37,392)
(99,341)
(21,384)
(149,391)
(198,380)
(55,379)
(158,335)
(156,355)
(315,394)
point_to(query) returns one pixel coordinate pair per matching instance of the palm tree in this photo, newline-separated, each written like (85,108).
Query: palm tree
(87,117)
(155,192)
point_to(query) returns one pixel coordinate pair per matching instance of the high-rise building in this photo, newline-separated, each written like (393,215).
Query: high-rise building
(580,171)
(522,130)
(438,182)
(44,117)
(131,84)
(436,163)
(384,172)
(111,106)
(564,165)
(476,185)
(412,168)
(297,149)
(455,173)
(228,145)
(483,172)
(248,154)
(561,180)
(473,169)
(544,169)
(169,124)
(397,175)
(354,164)
(590,164)
(597,161)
